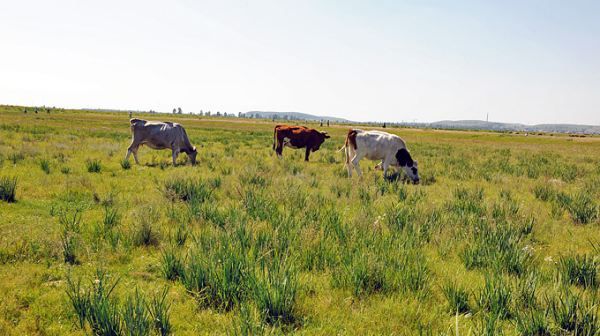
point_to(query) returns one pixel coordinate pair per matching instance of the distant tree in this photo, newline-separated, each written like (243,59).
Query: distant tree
(201,113)
(174,110)
(383,125)
(286,117)
(48,110)
(36,111)
(224,114)
(239,114)
(179,111)
(327,123)
(321,122)
(207,113)
(131,114)
(25,111)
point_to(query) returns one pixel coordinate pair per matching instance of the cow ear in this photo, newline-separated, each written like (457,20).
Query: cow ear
(403,157)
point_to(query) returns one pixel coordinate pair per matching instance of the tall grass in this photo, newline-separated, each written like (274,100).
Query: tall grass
(495,296)
(575,313)
(97,309)
(135,315)
(8,189)
(159,308)
(581,270)
(70,222)
(274,289)
(457,297)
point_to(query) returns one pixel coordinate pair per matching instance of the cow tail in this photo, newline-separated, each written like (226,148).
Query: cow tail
(350,144)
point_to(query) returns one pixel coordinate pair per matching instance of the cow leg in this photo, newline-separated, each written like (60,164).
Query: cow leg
(174,153)
(355,163)
(132,149)
(386,166)
(279,147)
(307,154)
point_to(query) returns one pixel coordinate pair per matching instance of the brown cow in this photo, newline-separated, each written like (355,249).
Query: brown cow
(297,137)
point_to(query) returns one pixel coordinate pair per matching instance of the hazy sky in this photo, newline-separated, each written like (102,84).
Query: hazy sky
(519,61)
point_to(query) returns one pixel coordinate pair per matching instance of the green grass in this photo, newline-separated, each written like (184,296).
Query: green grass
(503,230)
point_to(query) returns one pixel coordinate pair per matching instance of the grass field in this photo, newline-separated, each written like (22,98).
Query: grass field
(501,236)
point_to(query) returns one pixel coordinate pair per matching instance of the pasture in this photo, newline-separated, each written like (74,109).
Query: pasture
(501,236)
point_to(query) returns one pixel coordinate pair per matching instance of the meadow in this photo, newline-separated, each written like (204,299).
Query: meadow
(501,236)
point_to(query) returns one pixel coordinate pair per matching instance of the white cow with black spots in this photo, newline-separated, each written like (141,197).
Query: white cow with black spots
(378,145)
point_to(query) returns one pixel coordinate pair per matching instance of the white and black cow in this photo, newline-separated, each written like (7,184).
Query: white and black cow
(160,135)
(377,145)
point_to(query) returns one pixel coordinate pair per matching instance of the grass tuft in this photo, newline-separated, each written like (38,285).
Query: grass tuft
(8,189)
(93,166)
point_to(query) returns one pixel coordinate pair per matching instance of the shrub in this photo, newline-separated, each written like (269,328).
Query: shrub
(457,297)
(45,166)
(93,166)
(65,170)
(8,189)
(581,270)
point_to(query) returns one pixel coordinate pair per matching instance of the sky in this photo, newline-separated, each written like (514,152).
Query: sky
(516,61)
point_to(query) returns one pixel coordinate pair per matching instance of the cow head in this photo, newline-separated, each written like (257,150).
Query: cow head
(192,155)
(321,136)
(406,162)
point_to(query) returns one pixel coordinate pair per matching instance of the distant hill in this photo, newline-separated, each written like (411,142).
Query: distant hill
(291,116)
(497,126)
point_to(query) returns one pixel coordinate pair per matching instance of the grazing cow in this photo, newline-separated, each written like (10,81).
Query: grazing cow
(377,145)
(297,137)
(160,135)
